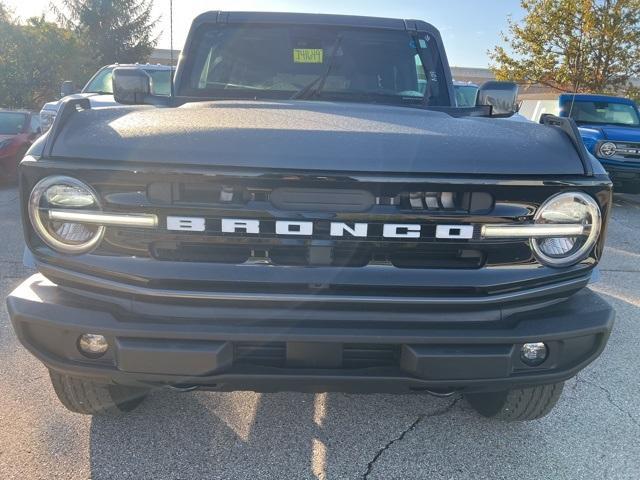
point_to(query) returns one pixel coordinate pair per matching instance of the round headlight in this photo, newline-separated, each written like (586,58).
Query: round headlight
(64,193)
(607,149)
(573,208)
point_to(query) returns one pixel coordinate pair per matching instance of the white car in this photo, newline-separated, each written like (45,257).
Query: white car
(467,95)
(99,90)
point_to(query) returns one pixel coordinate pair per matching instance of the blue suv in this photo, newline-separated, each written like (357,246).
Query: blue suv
(610,129)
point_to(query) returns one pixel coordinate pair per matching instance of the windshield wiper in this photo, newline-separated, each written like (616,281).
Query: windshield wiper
(226,85)
(315,87)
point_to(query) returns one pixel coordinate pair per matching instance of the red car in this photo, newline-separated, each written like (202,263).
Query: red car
(18,130)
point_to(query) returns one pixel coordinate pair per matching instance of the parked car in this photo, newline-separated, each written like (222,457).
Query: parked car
(99,90)
(466,93)
(533,110)
(467,96)
(18,130)
(301,216)
(610,129)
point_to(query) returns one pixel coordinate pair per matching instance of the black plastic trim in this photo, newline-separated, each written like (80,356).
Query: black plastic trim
(568,126)
(89,281)
(577,329)
(67,109)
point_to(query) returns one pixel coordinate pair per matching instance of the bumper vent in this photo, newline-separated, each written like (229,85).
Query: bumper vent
(354,356)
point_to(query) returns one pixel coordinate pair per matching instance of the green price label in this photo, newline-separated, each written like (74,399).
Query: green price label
(308,55)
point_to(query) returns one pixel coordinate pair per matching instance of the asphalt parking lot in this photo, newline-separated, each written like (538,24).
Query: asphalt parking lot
(593,434)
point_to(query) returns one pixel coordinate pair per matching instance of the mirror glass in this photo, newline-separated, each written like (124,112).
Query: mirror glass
(502,96)
(131,85)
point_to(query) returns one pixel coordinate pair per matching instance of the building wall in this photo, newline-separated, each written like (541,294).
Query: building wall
(163,56)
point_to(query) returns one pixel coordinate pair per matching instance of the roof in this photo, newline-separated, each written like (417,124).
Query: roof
(8,110)
(584,97)
(149,66)
(457,83)
(312,19)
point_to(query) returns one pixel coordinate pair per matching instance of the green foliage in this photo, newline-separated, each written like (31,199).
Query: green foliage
(35,58)
(572,45)
(117,31)
(36,55)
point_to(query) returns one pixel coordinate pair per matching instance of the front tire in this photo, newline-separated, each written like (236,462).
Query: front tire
(89,397)
(518,405)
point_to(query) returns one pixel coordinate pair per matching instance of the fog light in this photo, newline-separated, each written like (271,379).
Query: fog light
(533,354)
(92,346)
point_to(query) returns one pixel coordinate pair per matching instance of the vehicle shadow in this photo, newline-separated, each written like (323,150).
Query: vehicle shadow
(248,435)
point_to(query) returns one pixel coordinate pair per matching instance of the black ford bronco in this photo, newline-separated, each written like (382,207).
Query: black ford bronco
(309,211)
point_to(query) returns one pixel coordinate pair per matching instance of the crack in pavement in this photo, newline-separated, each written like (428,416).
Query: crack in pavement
(609,399)
(410,428)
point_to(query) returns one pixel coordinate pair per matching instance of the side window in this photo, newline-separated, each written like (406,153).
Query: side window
(34,126)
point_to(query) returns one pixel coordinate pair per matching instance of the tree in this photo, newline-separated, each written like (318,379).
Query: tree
(5,15)
(117,31)
(572,45)
(35,58)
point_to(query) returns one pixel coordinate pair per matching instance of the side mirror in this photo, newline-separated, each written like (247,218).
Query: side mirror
(501,96)
(131,86)
(67,88)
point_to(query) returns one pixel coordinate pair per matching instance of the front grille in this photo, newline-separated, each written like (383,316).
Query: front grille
(627,152)
(376,206)
(354,356)
(322,202)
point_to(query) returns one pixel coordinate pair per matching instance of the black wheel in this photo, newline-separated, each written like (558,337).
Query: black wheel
(94,398)
(517,405)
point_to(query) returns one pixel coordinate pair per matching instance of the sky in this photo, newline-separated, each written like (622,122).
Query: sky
(469,27)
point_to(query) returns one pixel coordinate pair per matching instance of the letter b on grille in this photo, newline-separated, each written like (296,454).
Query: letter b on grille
(187,224)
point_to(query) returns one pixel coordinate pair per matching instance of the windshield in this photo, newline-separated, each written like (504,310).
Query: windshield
(609,113)
(466,95)
(12,123)
(352,64)
(102,82)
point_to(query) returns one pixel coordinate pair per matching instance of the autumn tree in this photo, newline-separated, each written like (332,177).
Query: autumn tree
(572,45)
(116,31)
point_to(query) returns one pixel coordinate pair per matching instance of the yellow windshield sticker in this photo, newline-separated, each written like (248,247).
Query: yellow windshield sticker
(308,55)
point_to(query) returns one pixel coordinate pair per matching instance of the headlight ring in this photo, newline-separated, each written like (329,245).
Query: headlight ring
(567,208)
(67,192)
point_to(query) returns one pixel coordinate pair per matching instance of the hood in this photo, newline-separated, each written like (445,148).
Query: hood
(621,134)
(95,99)
(320,136)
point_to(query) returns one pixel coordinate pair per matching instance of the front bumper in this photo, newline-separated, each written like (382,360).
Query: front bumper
(624,176)
(189,349)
